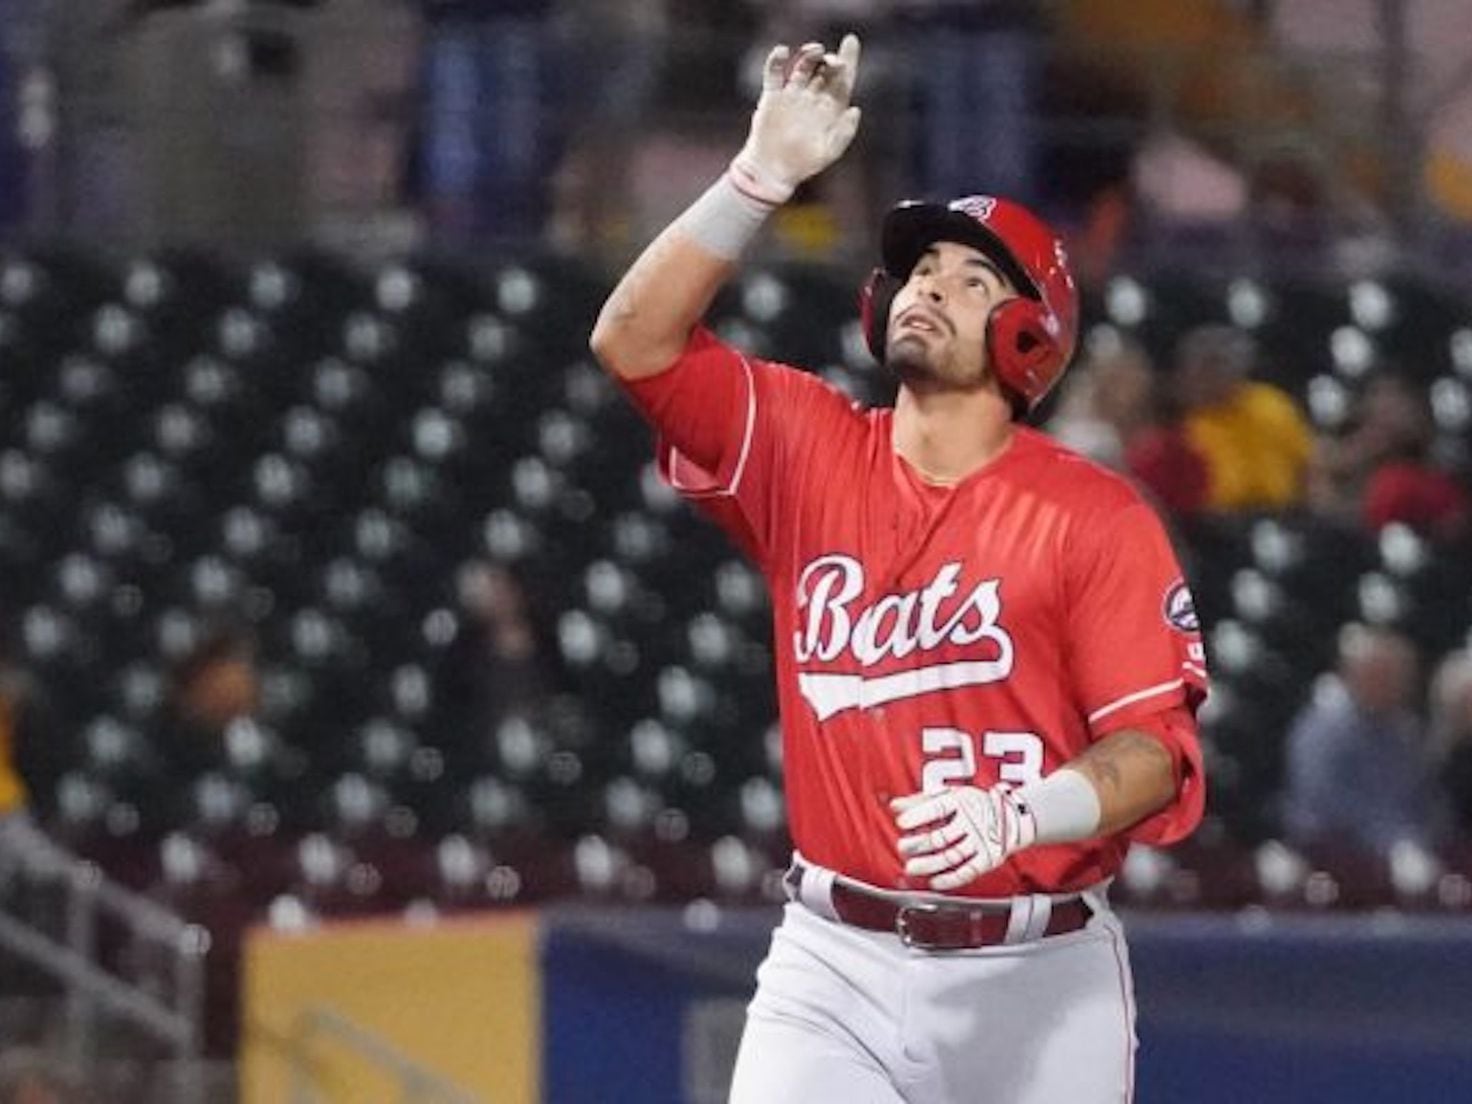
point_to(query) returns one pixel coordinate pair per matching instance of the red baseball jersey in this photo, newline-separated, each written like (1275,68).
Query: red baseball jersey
(979,633)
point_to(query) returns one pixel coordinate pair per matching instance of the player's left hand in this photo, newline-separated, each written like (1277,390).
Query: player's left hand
(964,832)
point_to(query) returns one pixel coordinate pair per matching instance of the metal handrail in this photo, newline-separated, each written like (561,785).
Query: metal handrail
(127,1001)
(418,1085)
(73,960)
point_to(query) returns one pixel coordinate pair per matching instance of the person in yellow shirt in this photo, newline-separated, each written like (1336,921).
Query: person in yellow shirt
(23,842)
(1256,443)
(16,830)
(13,798)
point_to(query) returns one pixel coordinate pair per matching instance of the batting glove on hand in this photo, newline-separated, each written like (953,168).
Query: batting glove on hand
(978,829)
(803,122)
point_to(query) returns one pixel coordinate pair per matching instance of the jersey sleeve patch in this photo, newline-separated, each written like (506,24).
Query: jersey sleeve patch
(1179,608)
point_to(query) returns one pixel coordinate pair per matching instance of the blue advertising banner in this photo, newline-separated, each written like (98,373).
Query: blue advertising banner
(1247,1007)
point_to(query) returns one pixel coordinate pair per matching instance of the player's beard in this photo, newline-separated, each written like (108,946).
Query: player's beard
(921,367)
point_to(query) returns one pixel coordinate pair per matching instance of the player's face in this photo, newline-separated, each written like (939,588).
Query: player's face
(937,324)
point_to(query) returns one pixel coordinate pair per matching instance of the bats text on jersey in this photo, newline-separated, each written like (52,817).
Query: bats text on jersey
(898,625)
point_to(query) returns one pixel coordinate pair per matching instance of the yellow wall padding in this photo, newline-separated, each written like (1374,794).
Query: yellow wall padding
(461,997)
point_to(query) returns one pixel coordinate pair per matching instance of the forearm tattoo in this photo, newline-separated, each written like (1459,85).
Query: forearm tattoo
(1132,772)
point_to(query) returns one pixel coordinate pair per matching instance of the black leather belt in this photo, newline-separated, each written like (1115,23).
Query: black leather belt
(936,925)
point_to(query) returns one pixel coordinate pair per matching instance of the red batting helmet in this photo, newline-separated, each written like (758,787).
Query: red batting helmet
(1029,339)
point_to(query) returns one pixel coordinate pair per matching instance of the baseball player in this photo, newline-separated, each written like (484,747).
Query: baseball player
(988,662)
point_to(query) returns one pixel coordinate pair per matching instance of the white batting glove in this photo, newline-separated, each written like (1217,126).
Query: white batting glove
(803,121)
(966,832)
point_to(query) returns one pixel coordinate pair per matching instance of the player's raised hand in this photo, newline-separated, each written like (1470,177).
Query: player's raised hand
(957,834)
(803,121)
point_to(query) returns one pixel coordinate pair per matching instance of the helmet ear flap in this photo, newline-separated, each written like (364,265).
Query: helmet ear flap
(1022,349)
(875,299)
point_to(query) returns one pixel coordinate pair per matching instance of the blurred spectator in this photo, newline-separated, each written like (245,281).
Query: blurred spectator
(15,822)
(1412,492)
(618,52)
(25,90)
(1357,755)
(360,63)
(488,122)
(1107,400)
(1381,471)
(828,213)
(1254,440)
(495,666)
(216,684)
(1451,736)
(1112,412)
(26,1077)
(976,61)
(12,789)
(22,767)
(1178,180)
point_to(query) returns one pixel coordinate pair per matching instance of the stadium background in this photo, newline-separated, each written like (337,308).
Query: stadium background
(388,733)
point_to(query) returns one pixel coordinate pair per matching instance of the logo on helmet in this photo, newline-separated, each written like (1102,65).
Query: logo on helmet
(978,207)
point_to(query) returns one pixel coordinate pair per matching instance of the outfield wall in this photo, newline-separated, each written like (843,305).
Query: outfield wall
(579,1006)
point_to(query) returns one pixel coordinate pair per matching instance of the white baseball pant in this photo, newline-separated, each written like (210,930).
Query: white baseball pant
(856,1017)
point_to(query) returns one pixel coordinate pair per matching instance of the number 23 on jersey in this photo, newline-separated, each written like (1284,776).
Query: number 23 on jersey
(950,757)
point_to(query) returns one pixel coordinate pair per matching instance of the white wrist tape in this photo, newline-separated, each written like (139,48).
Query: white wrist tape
(1064,806)
(750,179)
(725,219)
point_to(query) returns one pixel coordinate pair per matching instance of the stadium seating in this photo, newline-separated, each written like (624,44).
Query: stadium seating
(313,451)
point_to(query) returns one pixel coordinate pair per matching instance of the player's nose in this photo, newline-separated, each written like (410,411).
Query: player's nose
(929,288)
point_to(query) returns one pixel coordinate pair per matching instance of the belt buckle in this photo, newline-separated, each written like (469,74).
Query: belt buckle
(902,923)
